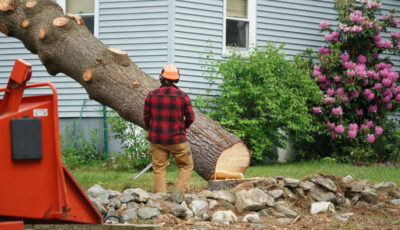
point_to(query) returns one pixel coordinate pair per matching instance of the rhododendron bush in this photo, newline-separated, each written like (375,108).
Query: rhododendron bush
(359,84)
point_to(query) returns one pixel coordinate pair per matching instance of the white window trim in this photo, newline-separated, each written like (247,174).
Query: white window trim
(252,19)
(96,14)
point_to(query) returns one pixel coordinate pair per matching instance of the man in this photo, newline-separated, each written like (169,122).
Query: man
(168,113)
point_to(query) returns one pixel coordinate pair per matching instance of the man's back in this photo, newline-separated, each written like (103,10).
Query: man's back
(168,113)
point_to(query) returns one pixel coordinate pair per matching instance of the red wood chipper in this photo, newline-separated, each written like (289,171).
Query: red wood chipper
(35,186)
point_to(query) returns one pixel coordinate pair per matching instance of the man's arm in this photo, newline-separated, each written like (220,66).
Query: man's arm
(147,112)
(189,115)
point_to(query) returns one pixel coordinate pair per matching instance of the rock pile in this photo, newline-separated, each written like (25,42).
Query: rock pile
(285,199)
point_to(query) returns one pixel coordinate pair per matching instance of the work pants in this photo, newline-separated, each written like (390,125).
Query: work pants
(183,158)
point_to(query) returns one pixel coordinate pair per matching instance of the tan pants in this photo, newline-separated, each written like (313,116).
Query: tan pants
(183,157)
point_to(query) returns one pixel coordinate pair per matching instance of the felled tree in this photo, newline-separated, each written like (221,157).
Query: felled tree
(65,45)
(360,87)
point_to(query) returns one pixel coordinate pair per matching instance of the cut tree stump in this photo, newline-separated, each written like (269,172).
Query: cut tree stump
(118,83)
(215,185)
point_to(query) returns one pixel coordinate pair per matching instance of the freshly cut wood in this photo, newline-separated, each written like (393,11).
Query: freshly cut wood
(77,18)
(221,175)
(87,75)
(25,23)
(42,33)
(30,4)
(117,51)
(116,82)
(61,21)
(6,5)
(3,29)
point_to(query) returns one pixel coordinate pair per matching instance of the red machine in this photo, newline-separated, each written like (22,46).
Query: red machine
(35,186)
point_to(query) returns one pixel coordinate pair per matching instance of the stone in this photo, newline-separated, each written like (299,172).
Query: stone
(189,213)
(325,182)
(319,194)
(125,198)
(206,217)
(344,217)
(132,205)
(252,218)
(207,194)
(95,190)
(112,217)
(140,195)
(153,204)
(99,207)
(321,207)
(103,197)
(199,207)
(395,201)
(369,194)
(115,203)
(224,217)
(177,196)
(113,194)
(291,182)
(224,195)
(358,186)
(252,200)
(289,194)
(284,220)
(385,186)
(276,193)
(129,215)
(347,179)
(178,210)
(285,210)
(191,197)
(123,207)
(148,213)
(157,196)
(306,185)
(299,191)
(265,182)
(212,205)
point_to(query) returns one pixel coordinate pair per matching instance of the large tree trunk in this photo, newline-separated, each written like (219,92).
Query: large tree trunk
(65,45)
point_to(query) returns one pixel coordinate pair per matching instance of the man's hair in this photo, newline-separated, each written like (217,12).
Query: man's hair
(165,81)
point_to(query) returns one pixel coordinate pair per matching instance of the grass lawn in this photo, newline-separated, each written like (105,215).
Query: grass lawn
(119,180)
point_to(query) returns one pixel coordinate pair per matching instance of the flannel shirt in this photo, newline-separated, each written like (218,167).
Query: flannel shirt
(167,114)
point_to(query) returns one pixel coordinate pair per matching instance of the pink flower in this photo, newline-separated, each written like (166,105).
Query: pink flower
(389,106)
(370,138)
(340,91)
(317,110)
(395,34)
(348,65)
(371,73)
(339,129)
(330,125)
(378,86)
(333,136)
(373,108)
(377,38)
(330,91)
(359,112)
(369,124)
(375,55)
(355,94)
(378,130)
(370,96)
(344,57)
(367,92)
(386,82)
(337,78)
(352,134)
(398,97)
(353,126)
(362,59)
(396,22)
(356,29)
(337,111)
(323,25)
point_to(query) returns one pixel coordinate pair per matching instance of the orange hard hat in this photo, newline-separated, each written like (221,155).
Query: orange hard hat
(170,72)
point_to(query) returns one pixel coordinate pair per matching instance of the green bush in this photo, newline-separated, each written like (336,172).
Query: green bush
(135,148)
(263,98)
(83,151)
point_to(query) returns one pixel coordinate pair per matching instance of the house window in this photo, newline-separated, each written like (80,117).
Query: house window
(83,8)
(239,22)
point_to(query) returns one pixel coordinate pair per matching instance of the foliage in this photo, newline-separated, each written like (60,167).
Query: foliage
(359,86)
(263,98)
(388,146)
(135,147)
(83,151)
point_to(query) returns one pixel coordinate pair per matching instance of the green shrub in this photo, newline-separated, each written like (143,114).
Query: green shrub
(83,151)
(135,147)
(263,98)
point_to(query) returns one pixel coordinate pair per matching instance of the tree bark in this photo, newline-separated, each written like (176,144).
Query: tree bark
(65,45)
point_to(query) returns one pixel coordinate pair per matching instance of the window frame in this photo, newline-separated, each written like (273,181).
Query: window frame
(62,3)
(251,19)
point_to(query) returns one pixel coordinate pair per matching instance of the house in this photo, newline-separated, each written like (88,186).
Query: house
(182,32)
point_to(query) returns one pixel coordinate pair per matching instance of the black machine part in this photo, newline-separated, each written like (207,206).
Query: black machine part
(26,138)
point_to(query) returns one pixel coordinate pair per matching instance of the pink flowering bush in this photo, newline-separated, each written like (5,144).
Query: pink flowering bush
(359,86)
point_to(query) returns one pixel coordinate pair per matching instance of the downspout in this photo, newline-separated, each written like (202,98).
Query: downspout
(171,31)
(105,132)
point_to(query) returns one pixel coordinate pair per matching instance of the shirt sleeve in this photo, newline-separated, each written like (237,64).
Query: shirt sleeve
(189,115)
(147,112)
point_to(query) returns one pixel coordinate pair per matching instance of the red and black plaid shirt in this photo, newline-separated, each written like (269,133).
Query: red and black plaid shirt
(167,114)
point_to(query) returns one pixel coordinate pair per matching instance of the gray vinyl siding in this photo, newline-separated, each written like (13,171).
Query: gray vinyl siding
(140,27)
(198,31)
